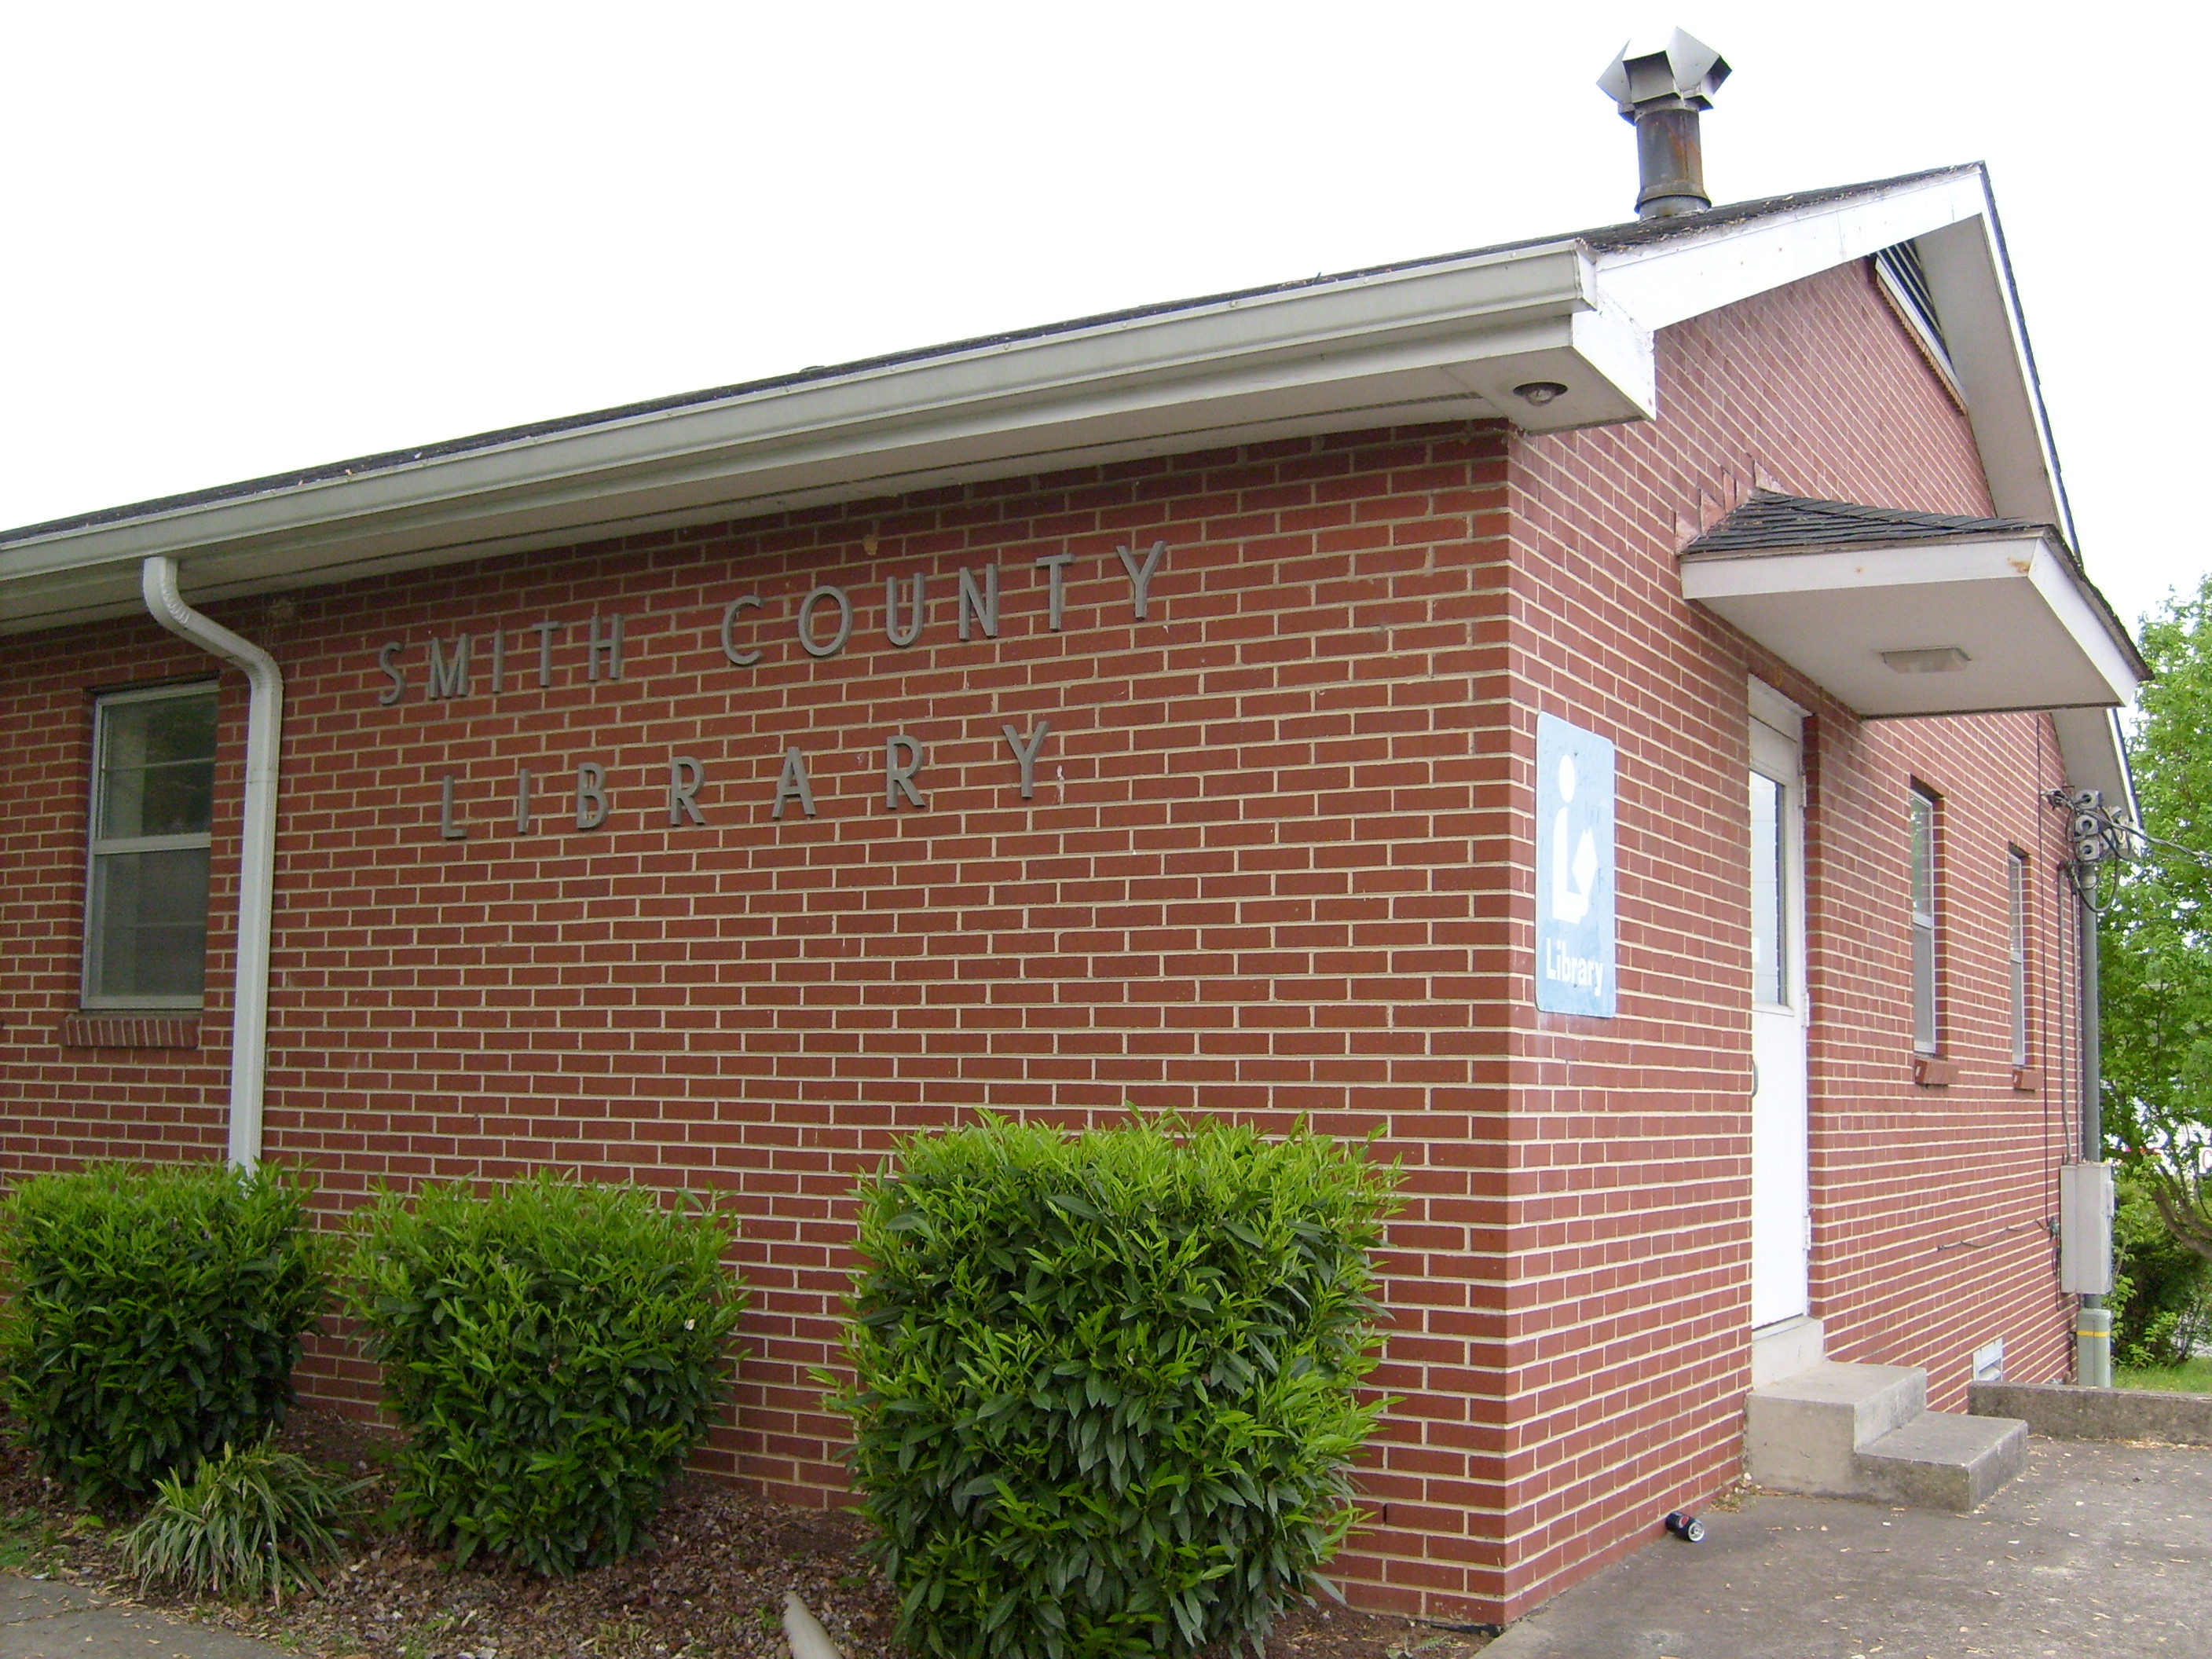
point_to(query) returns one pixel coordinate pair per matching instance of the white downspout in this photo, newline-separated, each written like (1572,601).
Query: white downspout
(256,862)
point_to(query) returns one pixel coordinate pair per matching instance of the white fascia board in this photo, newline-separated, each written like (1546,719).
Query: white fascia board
(2062,590)
(1908,561)
(1654,284)
(1444,340)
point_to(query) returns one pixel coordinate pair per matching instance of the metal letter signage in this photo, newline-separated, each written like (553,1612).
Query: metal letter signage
(392,693)
(1140,576)
(460,668)
(1574,870)
(980,602)
(591,794)
(450,678)
(685,777)
(901,634)
(743,658)
(838,597)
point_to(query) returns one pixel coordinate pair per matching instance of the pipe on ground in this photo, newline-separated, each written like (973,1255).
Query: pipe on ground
(807,1639)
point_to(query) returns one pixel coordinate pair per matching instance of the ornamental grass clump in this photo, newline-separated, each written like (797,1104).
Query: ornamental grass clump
(152,1316)
(1105,1386)
(554,1350)
(252,1524)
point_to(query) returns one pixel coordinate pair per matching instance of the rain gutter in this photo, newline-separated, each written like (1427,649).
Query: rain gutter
(257,871)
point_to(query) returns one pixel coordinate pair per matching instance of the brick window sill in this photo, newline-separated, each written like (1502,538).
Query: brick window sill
(1929,1072)
(129,1030)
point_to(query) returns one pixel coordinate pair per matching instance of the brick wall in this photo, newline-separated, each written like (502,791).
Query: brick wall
(1624,1360)
(1276,863)
(1242,886)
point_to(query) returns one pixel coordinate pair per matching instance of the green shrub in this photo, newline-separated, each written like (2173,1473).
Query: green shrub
(153,1317)
(2161,1298)
(248,1524)
(554,1351)
(1104,1394)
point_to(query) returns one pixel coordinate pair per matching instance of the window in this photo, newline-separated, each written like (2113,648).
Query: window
(1770,909)
(1924,920)
(2018,862)
(153,789)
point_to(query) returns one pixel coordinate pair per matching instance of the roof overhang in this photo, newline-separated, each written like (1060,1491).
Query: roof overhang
(1446,340)
(1449,338)
(1431,340)
(1973,624)
(1950,216)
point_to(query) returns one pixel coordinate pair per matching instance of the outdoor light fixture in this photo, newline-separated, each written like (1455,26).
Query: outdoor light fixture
(1539,393)
(1935,660)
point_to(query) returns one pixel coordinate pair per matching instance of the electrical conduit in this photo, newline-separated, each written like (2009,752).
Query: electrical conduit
(256,863)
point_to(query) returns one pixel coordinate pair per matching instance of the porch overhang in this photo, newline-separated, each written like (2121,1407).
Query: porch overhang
(1972,622)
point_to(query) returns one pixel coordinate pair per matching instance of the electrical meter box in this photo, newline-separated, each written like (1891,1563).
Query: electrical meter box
(2085,1229)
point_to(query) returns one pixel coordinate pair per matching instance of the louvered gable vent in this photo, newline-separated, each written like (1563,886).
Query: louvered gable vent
(1906,283)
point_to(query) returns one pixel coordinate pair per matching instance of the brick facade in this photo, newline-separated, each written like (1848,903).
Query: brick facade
(1623,1363)
(1278,862)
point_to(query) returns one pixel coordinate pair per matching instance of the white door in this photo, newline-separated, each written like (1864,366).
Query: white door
(1781,1188)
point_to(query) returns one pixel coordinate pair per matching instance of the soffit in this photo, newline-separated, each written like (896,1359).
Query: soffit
(1903,614)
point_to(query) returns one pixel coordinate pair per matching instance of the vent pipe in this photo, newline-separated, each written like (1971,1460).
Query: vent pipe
(1662,88)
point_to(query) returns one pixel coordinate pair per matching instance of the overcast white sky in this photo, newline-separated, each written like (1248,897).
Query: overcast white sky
(240,238)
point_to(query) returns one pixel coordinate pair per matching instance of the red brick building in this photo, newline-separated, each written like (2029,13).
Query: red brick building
(1147,710)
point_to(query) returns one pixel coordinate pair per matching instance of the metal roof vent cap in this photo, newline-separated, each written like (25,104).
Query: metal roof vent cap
(1664,87)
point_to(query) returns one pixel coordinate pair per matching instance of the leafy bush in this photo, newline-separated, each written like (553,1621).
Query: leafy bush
(1104,1394)
(554,1351)
(248,1524)
(153,1317)
(2161,1298)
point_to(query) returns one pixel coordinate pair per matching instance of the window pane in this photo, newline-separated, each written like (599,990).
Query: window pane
(1768,915)
(1924,856)
(1924,1034)
(156,767)
(2019,864)
(1924,988)
(148,929)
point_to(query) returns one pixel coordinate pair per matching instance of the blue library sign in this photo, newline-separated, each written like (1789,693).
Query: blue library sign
(1574,870)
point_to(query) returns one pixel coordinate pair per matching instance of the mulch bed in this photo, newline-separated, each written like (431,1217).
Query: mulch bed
(713,1584)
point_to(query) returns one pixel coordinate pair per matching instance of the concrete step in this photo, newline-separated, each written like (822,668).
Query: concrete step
(1943,1461)
(1804,1433)
(1837,1431)
(1785,1348)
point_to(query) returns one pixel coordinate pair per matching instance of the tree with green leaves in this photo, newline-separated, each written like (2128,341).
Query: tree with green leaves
(2155,933)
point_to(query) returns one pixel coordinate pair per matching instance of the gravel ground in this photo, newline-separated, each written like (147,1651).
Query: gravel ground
(712,1585)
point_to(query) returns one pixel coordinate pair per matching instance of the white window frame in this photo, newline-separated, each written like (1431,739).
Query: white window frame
(98,845)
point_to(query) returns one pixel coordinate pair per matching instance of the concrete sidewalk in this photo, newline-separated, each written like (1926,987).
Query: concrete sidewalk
(49,1619)
(2098,1549)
